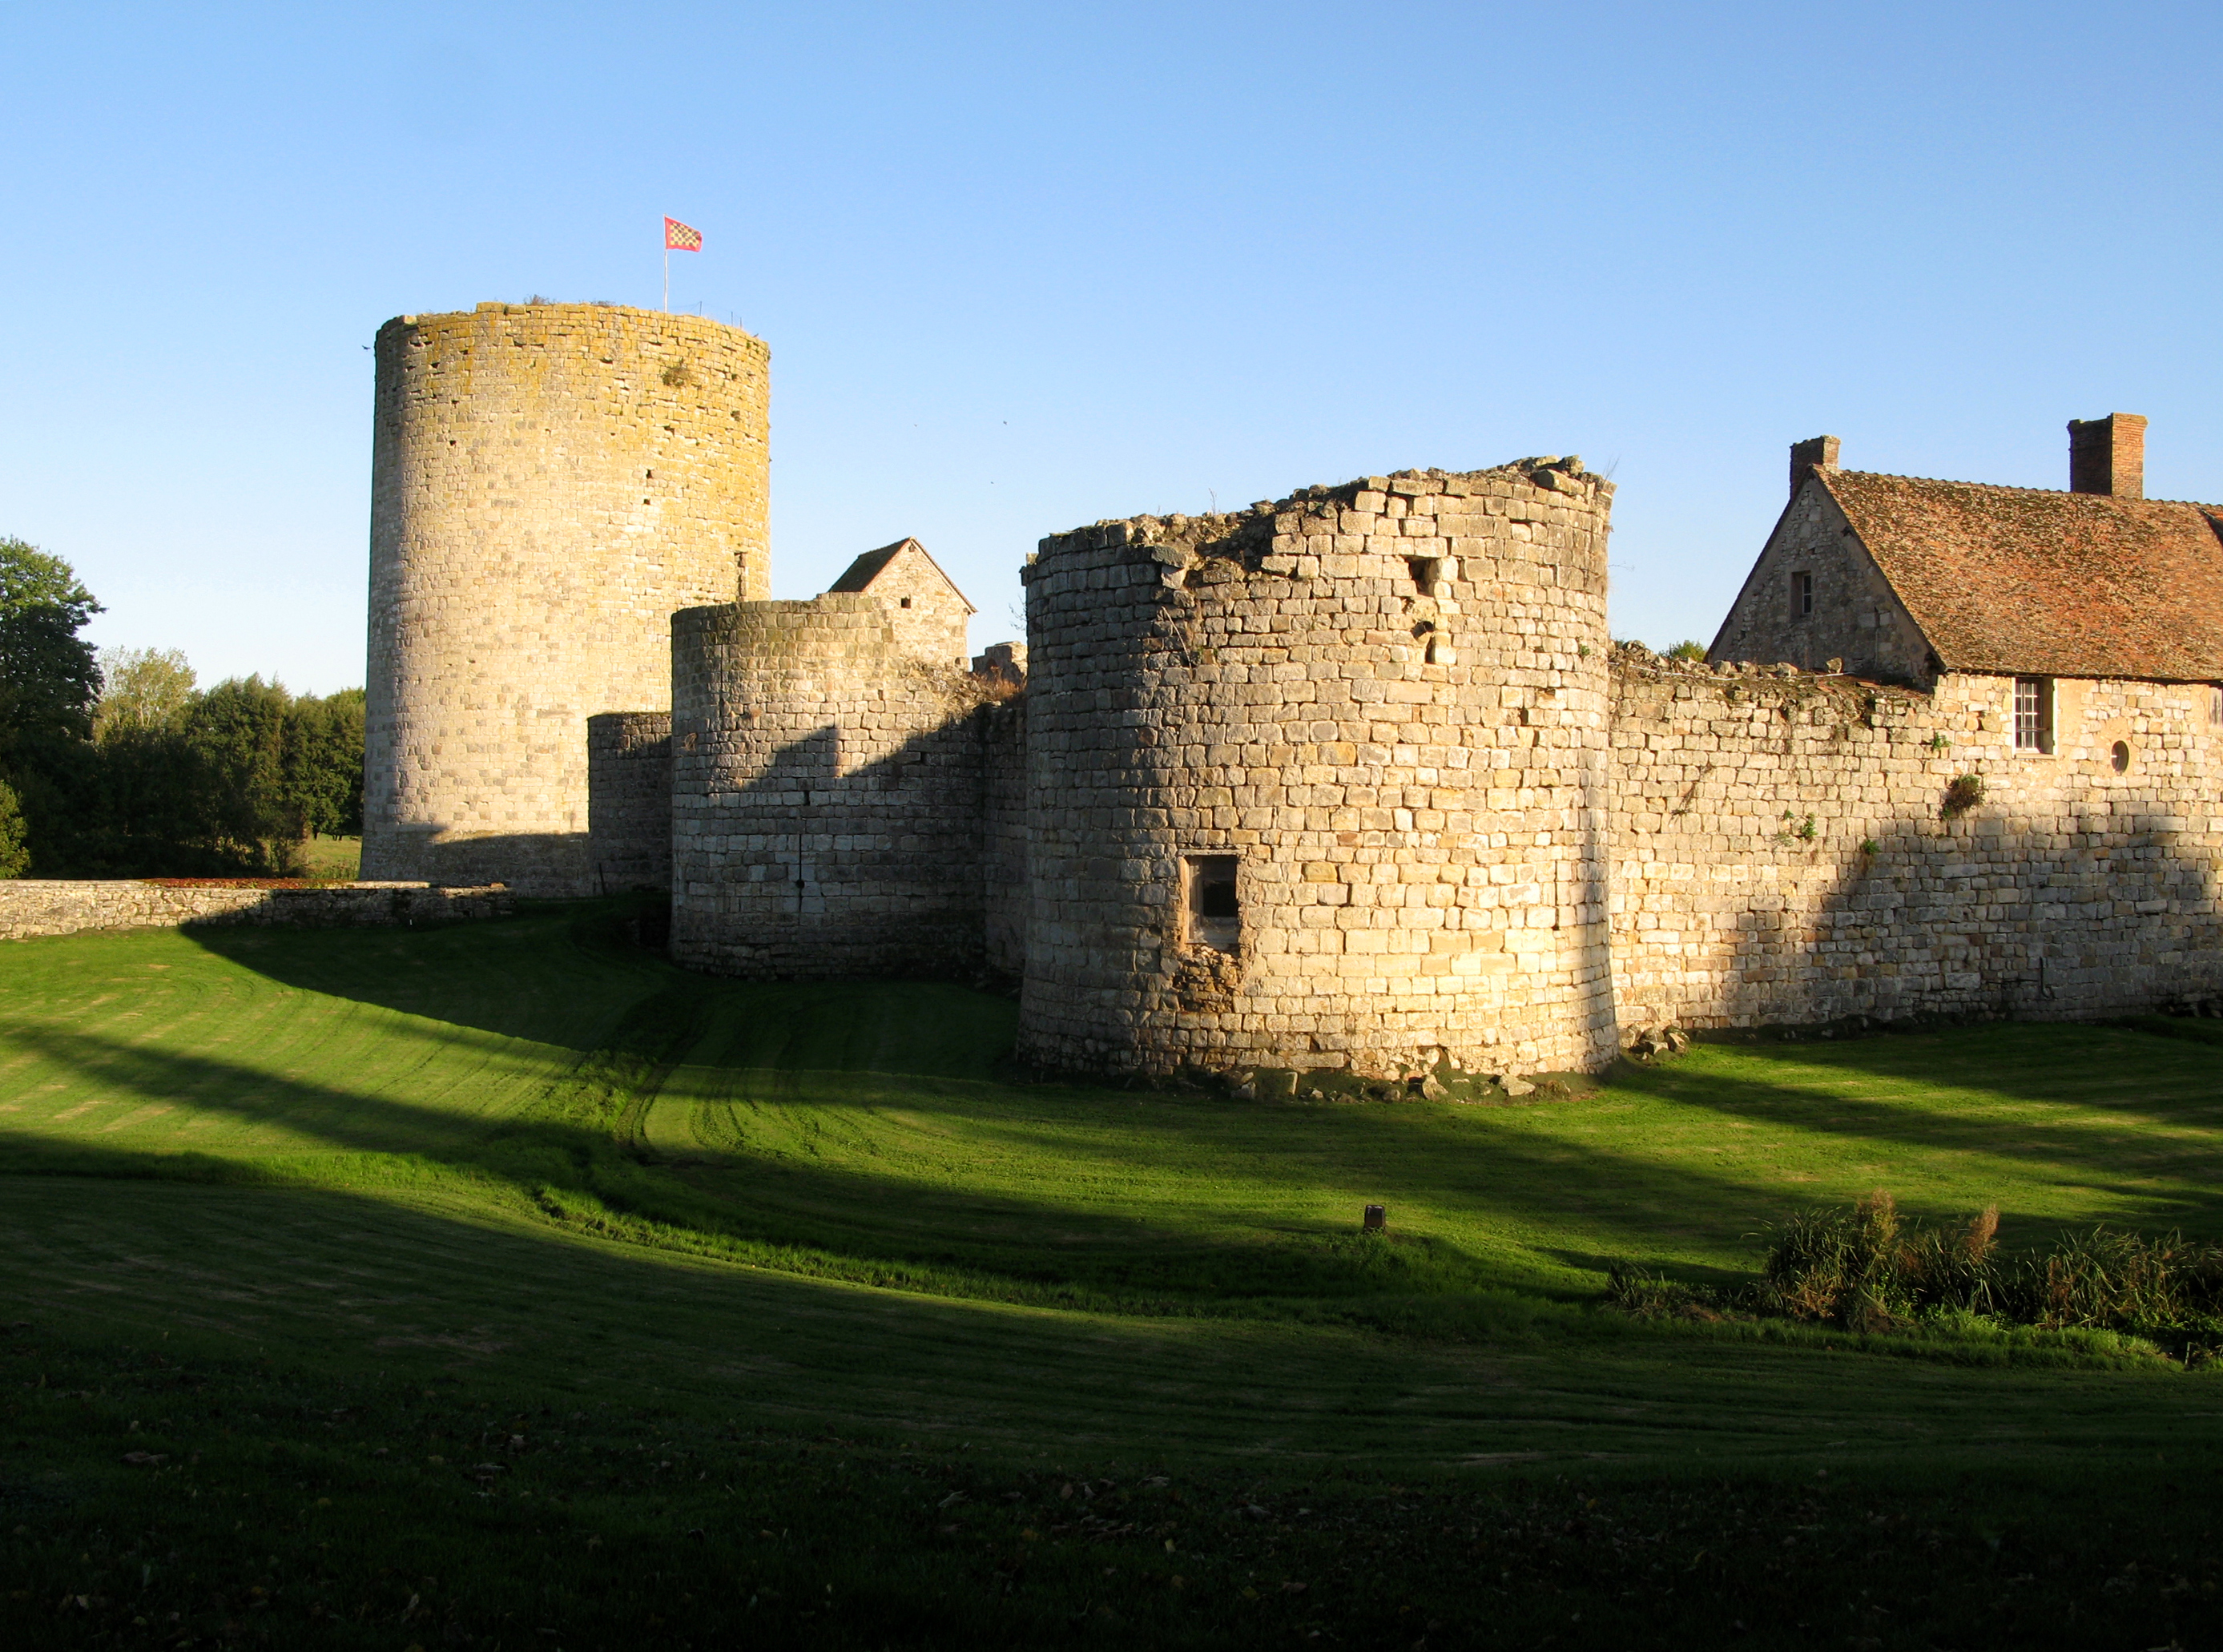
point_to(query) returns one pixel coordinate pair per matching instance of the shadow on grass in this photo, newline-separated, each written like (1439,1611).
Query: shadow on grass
(578,1159)
(2111,1075)
(558,973)
(571,1161)
(342,1281)
(711,1114)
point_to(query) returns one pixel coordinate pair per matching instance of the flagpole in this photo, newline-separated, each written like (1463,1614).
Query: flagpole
(667,272)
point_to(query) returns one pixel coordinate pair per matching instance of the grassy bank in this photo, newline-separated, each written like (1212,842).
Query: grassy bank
(312,1210)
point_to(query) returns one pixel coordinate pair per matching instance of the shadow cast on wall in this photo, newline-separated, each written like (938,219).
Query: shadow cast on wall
(824,865)
(1986,916)
(537,864)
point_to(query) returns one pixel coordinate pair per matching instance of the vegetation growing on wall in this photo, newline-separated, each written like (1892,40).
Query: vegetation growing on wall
(1963,793)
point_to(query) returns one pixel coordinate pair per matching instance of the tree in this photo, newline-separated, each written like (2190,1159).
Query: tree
(145,817)
(48,680)
(48,676)
(324,775)
(142,690)
(15,848)
(1692,651)
(239,732)
(116,767)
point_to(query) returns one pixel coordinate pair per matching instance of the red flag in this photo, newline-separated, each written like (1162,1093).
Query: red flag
(678,237)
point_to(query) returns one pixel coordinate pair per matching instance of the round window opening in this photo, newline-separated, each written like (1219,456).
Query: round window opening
(2120,757)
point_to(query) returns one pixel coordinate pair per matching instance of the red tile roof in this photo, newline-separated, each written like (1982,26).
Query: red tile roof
(2022,581)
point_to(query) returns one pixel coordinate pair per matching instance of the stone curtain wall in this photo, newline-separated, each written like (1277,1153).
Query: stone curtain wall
(629,800)
(550,482)
(1006,871)
(1388,700)
(1857,617)
(42,906)
(828,796)
(1742,895)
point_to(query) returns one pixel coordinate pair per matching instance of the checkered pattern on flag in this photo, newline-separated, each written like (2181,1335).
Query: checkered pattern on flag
(678,237)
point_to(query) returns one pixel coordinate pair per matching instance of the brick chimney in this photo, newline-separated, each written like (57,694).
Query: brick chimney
(2108,456)
(1820,453)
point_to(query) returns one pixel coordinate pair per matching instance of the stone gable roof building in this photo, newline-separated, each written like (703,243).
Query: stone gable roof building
(1904,578)
(928,610)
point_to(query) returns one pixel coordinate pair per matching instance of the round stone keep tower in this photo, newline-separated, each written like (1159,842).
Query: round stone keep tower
(550,483)
(1322,785)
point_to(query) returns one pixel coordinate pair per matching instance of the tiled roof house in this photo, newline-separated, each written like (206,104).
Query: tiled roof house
(1904,578)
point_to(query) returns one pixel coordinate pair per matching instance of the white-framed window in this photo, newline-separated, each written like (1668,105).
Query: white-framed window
(1802,596)
(2033,714)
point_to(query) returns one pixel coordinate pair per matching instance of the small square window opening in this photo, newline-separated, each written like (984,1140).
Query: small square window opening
(1802,596)
(2033,714)
(1213,913)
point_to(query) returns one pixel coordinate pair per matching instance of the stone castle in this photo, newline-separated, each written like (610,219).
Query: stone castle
(1353,780)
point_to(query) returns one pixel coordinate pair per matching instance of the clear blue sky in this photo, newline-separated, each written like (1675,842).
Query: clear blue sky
(1022,267)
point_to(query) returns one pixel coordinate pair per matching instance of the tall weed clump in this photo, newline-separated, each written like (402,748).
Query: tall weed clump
(1868,1268)
(2123,1282)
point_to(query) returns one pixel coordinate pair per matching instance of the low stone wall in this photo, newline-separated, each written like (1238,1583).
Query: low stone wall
(34,906)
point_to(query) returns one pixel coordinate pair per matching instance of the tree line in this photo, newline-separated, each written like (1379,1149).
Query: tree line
(116,763)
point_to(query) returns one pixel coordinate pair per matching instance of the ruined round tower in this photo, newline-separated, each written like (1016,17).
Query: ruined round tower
(550,483)
(1322,785)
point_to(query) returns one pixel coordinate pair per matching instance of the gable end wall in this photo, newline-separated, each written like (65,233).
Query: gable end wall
(1857,617)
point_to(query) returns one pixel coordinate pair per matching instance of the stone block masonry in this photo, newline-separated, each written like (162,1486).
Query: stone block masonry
(1785,848)
(31,907)
(1006,868)
(827,796)
(1816,594)
(1323,784)
(1352,781)
(550,483)
(629,800)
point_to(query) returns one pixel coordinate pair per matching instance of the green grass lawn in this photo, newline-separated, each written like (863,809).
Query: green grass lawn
(380,1191)
(331,857)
